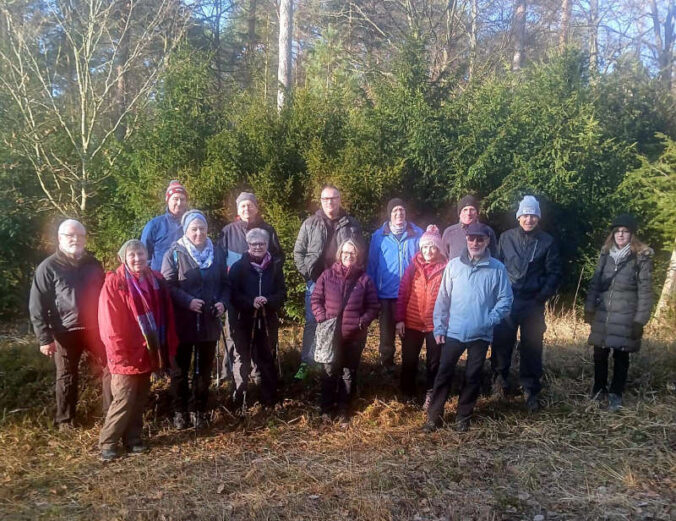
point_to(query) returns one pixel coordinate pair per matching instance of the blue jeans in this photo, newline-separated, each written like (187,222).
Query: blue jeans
(307,355)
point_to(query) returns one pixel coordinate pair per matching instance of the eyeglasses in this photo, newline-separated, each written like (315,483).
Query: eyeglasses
(348,254)
(327,199)
(476,238)
(257,244)
(73,235)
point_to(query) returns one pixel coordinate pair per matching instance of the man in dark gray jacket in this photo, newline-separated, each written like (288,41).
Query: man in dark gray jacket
(454,237)
(534,268)
(64,311)
(314,251)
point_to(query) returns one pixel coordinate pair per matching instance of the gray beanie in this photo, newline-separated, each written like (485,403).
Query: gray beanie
(529,205)
(246,196)
(131,243)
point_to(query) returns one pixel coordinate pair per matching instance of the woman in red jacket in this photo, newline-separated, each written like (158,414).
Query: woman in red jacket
(136,323)
(413,313)
(346,279)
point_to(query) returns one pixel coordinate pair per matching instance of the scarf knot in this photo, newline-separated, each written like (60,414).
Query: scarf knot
(204,258)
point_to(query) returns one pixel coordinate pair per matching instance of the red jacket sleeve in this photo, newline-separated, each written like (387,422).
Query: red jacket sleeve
(112,312)
(404,293)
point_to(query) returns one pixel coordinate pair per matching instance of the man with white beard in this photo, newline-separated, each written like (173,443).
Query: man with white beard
(64,311)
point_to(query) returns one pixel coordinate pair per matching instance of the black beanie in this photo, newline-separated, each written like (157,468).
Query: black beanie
(468,200)
(627,220)
(392,204)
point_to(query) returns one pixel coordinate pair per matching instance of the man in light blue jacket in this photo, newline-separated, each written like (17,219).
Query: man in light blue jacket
(475,295)
(393,245)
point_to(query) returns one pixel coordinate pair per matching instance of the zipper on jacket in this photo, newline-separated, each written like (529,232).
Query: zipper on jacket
(610,301)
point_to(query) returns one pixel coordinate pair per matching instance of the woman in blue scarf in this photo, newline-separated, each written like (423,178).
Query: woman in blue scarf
(197,276)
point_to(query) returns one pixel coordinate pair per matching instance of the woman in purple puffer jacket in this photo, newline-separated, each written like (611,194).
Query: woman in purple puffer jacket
(346,276)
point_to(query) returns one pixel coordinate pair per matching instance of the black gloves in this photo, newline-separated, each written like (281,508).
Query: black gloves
(636,330)
(589,316)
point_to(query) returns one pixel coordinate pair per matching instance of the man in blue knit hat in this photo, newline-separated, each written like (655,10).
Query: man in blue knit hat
(534,267)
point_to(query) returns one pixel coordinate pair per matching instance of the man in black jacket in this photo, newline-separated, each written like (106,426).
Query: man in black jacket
(534,267)
(64,310)
(314,251)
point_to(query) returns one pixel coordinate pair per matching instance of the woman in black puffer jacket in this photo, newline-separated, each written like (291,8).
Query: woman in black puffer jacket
(618,305)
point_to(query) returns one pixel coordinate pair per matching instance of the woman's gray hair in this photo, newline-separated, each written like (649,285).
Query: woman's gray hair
(356,247)
(258,234)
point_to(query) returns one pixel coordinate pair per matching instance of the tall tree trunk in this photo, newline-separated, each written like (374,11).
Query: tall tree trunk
(593,37)
(123,58)
(667,302)
(473,38)
(285,36)
(566,12)
(664,44)
(250,41)
(519,32)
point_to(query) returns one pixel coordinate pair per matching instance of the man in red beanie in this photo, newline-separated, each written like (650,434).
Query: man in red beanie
(160,232)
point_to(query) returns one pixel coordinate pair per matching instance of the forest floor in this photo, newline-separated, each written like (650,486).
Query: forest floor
(571,461)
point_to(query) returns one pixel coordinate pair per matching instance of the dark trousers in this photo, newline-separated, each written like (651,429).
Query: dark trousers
(620,370)
(410,352)
(387,331)
(339,379)
(69,348)
(255,352)
(125,415)
(185,398)
(450,354)
(529,318)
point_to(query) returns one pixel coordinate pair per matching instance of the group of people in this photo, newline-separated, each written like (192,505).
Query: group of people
(176,293)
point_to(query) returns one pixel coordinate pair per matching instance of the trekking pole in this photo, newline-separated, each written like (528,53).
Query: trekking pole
(276,349)
(218,352)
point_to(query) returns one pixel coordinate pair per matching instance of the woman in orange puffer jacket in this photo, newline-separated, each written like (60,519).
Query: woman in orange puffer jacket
(415,305)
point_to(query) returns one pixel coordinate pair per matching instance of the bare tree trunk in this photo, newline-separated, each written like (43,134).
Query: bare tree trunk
(566,11)
(519,31)
(121,72)
(668,296)
(593,36)
(285,36)
(664,44)
(473,38)
(250,41)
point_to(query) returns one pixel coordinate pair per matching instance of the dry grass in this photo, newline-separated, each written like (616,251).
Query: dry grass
(572,461)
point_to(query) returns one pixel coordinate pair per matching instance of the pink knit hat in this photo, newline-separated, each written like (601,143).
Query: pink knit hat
(432,236)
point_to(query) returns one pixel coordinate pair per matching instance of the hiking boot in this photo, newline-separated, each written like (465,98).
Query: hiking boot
(179,421)
(532,403)
(614,402)
(499,389)
(462,424)
(108,455)
(198,420)
(429,427)
(303,372)
(138,448)
(600,397)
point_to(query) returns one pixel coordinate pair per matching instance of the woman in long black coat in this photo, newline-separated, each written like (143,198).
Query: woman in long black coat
(198,281)
(618,305)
